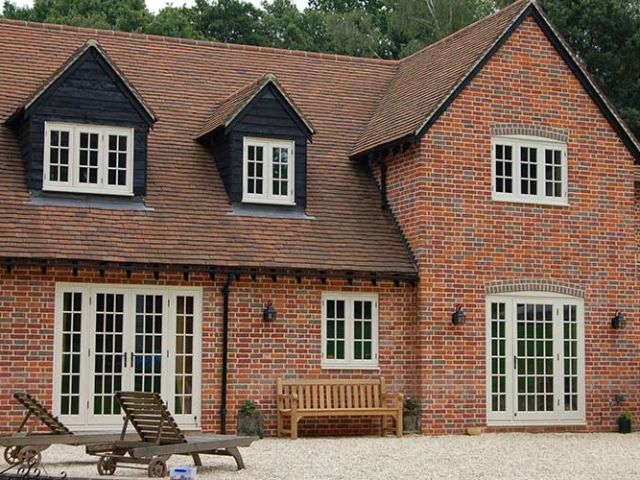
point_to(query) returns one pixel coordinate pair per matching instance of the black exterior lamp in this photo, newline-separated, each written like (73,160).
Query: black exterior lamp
(617,322)
(269,314)
(458,317)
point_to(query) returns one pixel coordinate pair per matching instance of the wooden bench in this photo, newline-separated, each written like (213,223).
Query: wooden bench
(299,399)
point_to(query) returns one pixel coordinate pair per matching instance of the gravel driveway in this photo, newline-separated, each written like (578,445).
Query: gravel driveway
(489,456)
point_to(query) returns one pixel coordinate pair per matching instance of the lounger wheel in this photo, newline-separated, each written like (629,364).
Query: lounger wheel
(12,454)
(107,465)
(30,456)
(157,468)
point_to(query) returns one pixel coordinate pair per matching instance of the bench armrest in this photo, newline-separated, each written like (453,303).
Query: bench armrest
(395,400)
(293,398)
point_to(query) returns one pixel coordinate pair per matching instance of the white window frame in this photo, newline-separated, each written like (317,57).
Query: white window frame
(349,362)
(267,196)
(73,185)
(516,142)
(80,422)
(558,417)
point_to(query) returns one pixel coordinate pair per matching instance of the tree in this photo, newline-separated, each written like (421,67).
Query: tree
(232,21)
(174,22)
(126,15)
(285,26)
(414,24)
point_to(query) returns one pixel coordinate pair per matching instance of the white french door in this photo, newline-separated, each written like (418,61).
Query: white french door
(112,338)
(535,359)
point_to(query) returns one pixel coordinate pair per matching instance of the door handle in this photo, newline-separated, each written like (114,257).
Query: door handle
(124,356)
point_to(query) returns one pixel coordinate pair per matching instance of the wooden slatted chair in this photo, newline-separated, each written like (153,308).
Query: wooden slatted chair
(25,446)
(160,437)
(299,399)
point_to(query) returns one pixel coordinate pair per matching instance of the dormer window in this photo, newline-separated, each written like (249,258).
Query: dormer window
(268,171)
(88,159)
(84,130)
(259,138)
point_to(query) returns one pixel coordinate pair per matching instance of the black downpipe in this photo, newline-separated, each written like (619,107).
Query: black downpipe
(225,350)
(383,186)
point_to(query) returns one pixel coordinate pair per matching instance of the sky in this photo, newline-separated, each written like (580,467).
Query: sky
(155,5)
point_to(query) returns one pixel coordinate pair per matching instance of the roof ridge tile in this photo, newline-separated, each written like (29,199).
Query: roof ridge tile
(196,42)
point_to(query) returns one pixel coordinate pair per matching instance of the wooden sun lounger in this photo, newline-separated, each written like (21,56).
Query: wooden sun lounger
(161,438)
(26,446)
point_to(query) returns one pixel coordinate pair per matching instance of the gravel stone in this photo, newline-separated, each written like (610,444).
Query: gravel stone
(490,456)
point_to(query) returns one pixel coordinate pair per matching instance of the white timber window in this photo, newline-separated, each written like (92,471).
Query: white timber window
(349,330)
(268,167)
(111,338)
(529,170)
(535,359)
(88,159)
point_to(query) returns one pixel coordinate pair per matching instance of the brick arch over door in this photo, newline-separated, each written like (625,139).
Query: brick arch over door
(534,285)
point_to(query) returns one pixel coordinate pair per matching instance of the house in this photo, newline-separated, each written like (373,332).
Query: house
(162,200)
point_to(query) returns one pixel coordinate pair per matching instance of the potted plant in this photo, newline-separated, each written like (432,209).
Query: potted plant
(624,422)
(411,416)
(250,419)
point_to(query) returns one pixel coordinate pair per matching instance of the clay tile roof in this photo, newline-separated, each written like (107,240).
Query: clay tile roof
(229,108)
(427,78)
(188,219)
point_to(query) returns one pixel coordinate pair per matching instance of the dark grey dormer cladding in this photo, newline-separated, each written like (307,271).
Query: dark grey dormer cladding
(265,113)
(88,89)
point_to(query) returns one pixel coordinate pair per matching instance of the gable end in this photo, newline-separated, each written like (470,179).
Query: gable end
(534,11)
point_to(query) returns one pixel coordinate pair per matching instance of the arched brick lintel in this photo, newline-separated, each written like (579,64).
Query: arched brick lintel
(533,285)
(530,130)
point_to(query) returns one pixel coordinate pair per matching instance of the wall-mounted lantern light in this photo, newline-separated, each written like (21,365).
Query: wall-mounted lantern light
(269,313)
(617,322)
(458,317)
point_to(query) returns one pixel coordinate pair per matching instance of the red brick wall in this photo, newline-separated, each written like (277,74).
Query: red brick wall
(259,352)
(440,192)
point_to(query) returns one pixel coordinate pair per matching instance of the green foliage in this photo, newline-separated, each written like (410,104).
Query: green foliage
(232,21)
(174,22)
(249,407)
(126,15)
(416,24)
(605,34)
(411,404)
(626,416)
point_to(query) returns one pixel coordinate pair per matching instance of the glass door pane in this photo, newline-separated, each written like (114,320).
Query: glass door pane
(534,360)
(498,357)
(335,326)
(362,330)
(570,345)
(147,357)
(184,355)
(71,353)
(109,355)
